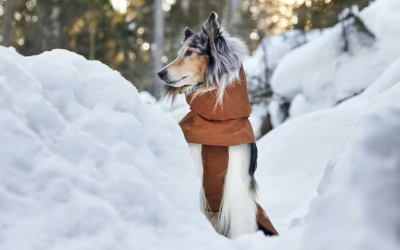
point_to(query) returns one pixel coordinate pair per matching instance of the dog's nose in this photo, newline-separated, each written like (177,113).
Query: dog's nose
(162,73)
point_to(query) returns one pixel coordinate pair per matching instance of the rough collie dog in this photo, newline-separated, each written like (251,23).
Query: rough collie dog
(208,70)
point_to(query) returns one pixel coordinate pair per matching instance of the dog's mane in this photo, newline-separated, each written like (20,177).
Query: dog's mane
(225,55)
(225,62)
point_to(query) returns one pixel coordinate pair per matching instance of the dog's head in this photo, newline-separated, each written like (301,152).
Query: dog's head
(209,56)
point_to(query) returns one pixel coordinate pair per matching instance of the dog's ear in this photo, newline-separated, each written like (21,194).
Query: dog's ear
(212,20)
(187,33)
(211,26)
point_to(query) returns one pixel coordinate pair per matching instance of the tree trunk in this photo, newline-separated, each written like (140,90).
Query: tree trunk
(92,38)
(52,28)
(40,37)
(185,5)
(266,126)
(7,22)
(226,18)
(202,12)
(345,36)
(157,49)
(236,17)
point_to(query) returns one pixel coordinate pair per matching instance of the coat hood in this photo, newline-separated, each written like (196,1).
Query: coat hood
(224,125)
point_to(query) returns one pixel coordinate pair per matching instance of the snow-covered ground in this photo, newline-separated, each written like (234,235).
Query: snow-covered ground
(86,164)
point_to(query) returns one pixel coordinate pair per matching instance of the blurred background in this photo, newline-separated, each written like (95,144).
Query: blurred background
(138,37)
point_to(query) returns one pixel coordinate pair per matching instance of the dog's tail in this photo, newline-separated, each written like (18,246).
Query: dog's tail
(238,207)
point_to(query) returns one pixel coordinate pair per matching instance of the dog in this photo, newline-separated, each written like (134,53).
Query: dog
(209,71)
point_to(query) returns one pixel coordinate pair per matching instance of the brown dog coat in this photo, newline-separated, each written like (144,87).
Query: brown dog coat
(217,128)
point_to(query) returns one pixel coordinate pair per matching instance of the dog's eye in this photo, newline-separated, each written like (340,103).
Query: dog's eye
(188,53)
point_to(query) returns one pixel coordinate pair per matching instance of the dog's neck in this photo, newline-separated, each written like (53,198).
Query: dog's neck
(197,89)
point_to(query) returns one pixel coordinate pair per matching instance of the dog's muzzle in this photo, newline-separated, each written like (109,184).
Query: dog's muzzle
(162,74)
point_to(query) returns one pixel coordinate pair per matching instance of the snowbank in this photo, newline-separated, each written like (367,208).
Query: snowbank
(340,160)
(84,164)
(320,75)
(292,160)
(360,208)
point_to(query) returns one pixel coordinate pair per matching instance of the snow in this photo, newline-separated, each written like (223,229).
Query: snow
(86,165)
(364,205)
(323,174)
(293,158)
(178,109)
(257,116)
(389,78)
(87,162)
(272,49)
(325,75)
(270,52)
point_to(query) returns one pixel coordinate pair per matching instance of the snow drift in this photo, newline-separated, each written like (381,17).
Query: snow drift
(320,75)
(341,161)
(359,194)
(84,164)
